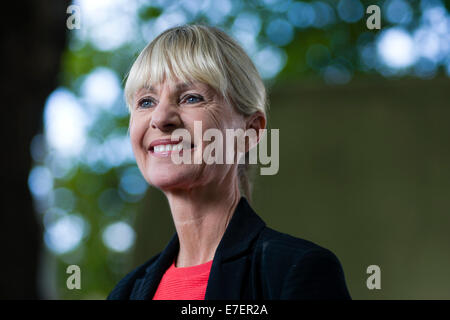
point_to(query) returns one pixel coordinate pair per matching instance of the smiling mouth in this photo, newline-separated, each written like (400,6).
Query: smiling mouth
(165,149)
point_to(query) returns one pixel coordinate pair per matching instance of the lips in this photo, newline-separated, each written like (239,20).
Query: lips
(165,146)
(159,142)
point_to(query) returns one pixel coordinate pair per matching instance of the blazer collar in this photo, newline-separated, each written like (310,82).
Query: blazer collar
(243,228)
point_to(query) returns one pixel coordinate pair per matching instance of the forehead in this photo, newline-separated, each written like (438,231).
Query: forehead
(176,87)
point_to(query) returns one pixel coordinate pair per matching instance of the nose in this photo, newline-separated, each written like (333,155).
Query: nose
(165,116)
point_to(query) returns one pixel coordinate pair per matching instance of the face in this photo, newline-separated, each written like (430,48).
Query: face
(158,111)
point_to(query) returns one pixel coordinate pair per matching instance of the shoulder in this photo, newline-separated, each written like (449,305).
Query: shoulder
(295,268)
(123,288)
(281,247)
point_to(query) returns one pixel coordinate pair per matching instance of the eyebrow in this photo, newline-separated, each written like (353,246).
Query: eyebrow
(179,87)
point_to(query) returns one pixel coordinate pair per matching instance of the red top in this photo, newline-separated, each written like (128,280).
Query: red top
(188,283)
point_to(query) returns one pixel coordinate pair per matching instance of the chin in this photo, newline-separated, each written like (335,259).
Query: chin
(165,180)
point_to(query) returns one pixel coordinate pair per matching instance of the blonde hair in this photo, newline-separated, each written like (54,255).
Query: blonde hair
(204,54)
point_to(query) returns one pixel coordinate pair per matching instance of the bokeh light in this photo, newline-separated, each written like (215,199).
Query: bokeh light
(65,123)
(107,24)
(270,60)
(398,11)
(280,32)
(324,14)
(65,234)
(132,185)
(245,29)
(40,181)
(396,48)
(101,88)
(350,10)
(301,14)
(118,236)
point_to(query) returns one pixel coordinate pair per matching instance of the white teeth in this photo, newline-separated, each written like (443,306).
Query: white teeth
(167,147)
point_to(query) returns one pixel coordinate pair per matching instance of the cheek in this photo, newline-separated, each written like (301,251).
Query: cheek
(137,131)
(215,118)
(219,117)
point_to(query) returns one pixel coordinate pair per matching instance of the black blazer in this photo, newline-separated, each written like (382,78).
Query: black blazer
(252,261)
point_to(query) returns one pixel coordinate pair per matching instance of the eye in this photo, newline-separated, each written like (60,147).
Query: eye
(192,99)
(146,103)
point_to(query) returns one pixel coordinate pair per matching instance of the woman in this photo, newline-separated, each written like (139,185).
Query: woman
(221,248)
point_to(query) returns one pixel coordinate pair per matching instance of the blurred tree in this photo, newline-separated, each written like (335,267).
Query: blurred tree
(33,39)
(95,197)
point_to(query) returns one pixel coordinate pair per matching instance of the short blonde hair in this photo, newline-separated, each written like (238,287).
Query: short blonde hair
(208,55)
(204,54)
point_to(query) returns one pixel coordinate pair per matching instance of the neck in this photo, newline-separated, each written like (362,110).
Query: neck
(201,216)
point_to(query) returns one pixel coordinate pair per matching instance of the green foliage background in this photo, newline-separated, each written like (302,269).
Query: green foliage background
(364,167)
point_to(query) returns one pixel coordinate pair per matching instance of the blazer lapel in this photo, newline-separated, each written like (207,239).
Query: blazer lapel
(230,264)
(145,288)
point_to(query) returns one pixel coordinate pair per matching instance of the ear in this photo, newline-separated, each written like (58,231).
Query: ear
(256,122)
